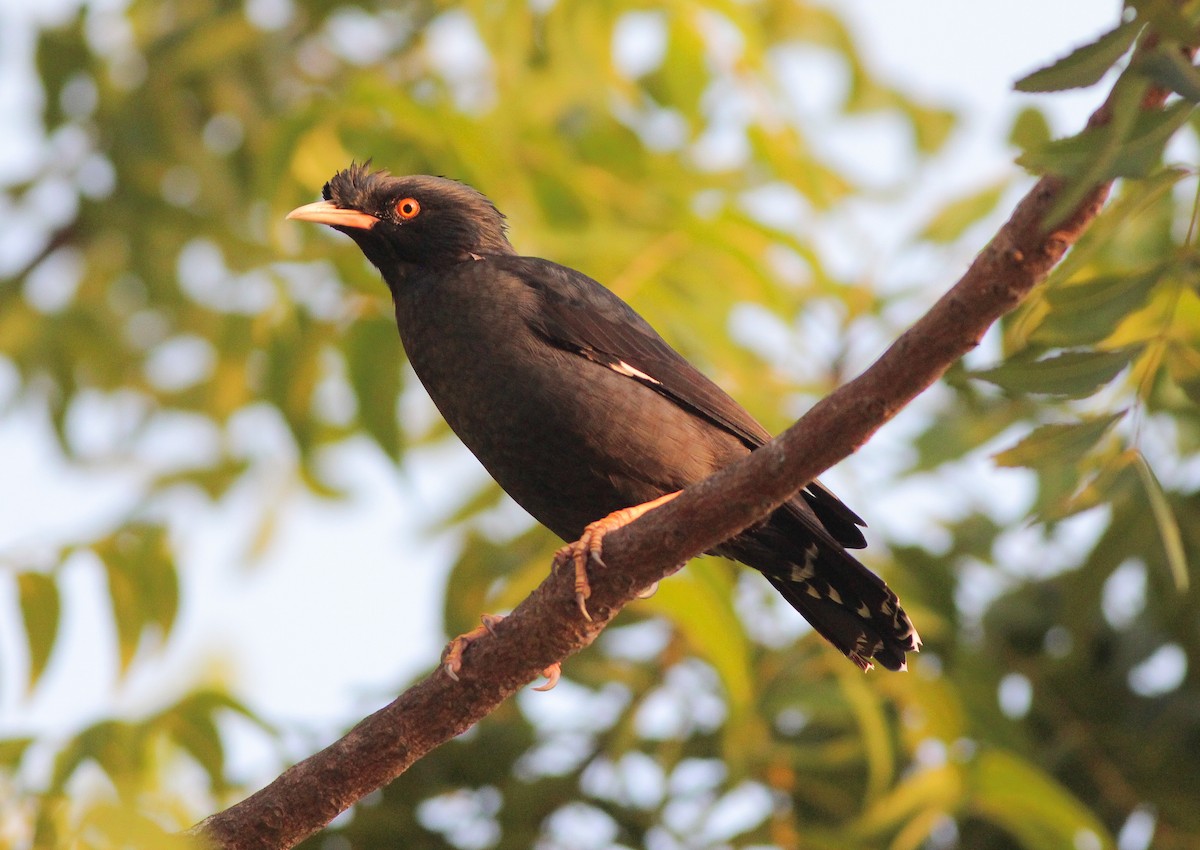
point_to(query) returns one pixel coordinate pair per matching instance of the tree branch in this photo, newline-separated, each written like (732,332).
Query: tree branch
(546,627)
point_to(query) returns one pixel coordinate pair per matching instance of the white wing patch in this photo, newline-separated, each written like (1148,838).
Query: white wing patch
(623,368)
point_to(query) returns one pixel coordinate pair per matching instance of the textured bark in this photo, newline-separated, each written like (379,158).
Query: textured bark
(546,627)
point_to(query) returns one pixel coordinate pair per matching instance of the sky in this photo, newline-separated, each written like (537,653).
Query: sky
(363,570)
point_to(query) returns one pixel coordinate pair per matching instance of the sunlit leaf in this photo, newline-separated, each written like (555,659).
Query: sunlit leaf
(192,724)
(1102,153)
(1072,374)
(373,365)
(1183,362)
(112,745)
(931,127)
(1088,311)
(1136,199)
(953,220)
(1106,485)
(870,712)
(1168,528)
(940,787)
(12,750)
(1062,444)
(40,610)
(142,582)
(1030,129)
(213,480)
(113,826)
(1085,65)
(1029,804)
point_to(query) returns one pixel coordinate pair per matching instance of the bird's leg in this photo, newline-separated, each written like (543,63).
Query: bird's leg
(452,656)
(590,546)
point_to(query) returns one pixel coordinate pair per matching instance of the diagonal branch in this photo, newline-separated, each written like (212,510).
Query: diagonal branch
(546,627)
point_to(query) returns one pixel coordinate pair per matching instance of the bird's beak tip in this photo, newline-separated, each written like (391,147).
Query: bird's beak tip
(326,212)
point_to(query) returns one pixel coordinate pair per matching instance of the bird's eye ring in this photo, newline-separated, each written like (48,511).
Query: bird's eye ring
(408,208)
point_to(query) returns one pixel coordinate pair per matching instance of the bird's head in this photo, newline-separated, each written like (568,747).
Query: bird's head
(402,222)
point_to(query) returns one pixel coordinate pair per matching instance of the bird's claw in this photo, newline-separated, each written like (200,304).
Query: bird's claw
(581,602)
(552,674)
(590,547)
(452,658)
(579,553)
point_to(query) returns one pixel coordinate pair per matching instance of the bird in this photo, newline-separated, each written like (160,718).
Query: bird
(579,409)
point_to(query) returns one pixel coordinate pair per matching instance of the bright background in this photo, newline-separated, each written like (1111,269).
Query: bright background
(310,610)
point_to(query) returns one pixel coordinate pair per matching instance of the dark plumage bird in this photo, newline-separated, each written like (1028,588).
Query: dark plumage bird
(577,407)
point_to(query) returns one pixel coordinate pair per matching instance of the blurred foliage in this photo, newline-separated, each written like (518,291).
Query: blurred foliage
(1056,702)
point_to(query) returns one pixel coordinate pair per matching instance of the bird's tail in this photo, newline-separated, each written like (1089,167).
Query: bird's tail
(845,602)
(854,610)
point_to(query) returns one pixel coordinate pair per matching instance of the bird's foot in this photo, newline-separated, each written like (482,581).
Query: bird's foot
(452,657)
(590,546)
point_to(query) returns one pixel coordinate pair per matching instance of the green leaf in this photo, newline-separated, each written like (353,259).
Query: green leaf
(1102,153)
(373,364)
(1183,364)
(1073,374)
(213,480)
(940,787)
(40,611)
(293,370)
(560,203)
(128,614)
(1062,444)
(12,750)
(685,71)
(953,220)
(1083,66)
(1030,129)
(931,127)
(1168,528)
(1136,199)
(950,437)
(870,712)
(1107,484)
(110,826)
(114,745)
(1170,68)
(1029,804)
(483,576)
(143,584)
(1170,20)
(1088,311)
(191,723)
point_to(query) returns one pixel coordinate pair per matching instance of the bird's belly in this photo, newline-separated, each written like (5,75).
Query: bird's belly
(568,439)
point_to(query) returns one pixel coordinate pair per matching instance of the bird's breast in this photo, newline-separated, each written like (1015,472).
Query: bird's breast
(569,439)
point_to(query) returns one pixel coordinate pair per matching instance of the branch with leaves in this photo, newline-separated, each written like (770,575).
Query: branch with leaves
(546,627)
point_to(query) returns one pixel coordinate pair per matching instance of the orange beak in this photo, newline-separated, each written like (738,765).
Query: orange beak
(327,212)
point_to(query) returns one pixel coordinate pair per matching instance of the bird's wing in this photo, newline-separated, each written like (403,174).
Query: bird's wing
(580,315)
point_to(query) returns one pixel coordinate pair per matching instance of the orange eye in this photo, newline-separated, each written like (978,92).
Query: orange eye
(408,208)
